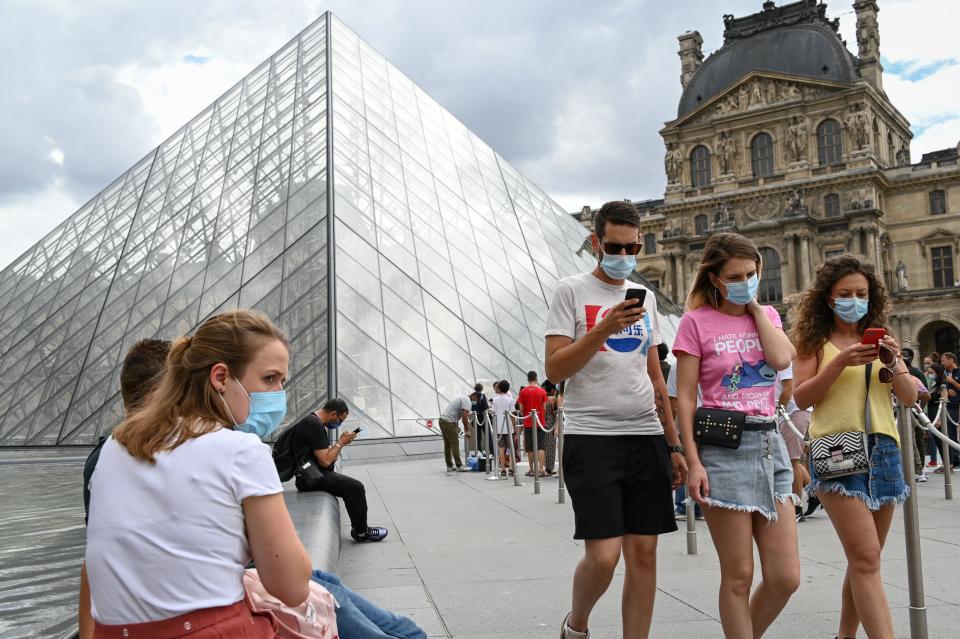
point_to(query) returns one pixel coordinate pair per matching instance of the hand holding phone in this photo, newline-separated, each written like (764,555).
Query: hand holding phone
(357,430)
(872,336)
(638,294)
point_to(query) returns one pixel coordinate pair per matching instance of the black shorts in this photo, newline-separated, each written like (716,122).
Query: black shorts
(619,484)
(503,441)
(528,439)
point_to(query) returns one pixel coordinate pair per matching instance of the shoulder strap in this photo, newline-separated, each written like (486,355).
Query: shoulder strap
(867,370)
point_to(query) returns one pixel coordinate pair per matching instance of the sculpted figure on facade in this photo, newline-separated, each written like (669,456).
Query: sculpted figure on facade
(858,125)
(673,162)
(868,37)
(796,142)
(724,215)
(902,282)
(756,94)
(725,153)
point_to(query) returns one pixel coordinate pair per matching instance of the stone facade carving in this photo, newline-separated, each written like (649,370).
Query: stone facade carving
(673,162)
(758,93)
(795,142)
(726,152)
(724,216)
(858,126)
(868,36)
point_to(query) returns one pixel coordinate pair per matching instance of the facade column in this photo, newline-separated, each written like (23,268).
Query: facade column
(791,271)
(669,279)
(683,279)
(873,249)
(804,261)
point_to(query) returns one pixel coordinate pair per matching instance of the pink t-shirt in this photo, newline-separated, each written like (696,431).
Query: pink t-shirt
(733,372)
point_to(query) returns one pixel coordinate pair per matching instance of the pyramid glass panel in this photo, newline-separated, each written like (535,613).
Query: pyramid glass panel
(402,256)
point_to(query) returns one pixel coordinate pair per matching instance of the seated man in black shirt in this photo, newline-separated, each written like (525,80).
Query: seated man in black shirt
(310,442)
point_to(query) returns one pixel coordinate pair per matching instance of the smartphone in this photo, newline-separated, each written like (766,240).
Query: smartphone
(639,294)
(357,430)
(873,336)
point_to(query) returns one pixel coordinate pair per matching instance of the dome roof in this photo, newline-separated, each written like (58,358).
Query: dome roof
(811,50)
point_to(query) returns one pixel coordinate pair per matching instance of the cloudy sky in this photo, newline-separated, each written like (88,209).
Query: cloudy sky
(573,93)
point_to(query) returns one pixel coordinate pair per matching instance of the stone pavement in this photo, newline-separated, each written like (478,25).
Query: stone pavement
(477,559)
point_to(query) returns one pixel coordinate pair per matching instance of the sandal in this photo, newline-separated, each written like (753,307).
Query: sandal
(529,473)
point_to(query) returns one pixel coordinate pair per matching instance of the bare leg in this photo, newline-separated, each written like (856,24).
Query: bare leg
(779,564)
(639,584)
(849,617)
(801,476)
(592,578)
(860,537)
(732,533)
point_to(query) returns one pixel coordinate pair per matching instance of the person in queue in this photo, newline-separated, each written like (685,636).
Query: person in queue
(158,561)
(845,299)
(619,463)
(732,348)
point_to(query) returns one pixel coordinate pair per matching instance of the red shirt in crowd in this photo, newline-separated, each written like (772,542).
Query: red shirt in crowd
(533,397)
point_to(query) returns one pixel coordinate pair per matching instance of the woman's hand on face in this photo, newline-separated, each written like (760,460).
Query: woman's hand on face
(698,484)
(858,354)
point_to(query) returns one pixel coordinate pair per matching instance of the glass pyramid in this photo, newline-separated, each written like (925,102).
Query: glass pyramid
(425,265)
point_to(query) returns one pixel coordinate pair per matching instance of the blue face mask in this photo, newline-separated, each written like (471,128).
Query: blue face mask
(850,309)
(333,423)
(742,292)
(618,267)
(266,412)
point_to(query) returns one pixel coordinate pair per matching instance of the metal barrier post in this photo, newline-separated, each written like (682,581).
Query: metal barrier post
(561,489)
(944,447)
(691,525)
(493,461)
(513,452)
(535,464)
(911,526)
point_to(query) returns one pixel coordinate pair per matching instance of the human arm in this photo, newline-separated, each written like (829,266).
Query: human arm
(326,457)
(777,349)
(786,392)
(281,559)
(84,617)
(688,375)
(669,426)
(465,419)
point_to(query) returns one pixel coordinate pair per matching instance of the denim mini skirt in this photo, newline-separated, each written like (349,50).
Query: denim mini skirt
(754,477)
(882,486)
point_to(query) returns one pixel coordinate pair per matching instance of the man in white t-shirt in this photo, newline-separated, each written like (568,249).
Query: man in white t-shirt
(506,423)
(618,467)
(457,410)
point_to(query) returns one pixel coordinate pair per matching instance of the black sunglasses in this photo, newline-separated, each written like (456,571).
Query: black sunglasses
(614,248)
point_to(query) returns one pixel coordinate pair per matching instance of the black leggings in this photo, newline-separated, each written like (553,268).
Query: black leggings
(350,490)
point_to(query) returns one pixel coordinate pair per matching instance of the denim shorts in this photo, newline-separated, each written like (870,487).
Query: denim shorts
(754,477)
(882,486)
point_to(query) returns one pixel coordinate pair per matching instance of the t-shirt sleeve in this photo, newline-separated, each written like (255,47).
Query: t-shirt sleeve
(253,472)
(786,373)
(688,337)
(314,433)
(774,316)
(562,315)
(672,382)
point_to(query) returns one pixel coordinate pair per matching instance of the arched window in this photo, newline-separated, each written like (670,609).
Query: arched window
(761,153)
(700,166)
(938,202)
(700,224)
(771,289)
(829,142)
(650,244)
(831,205)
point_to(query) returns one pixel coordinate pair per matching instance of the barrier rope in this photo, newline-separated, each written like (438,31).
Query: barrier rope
(782,412)
(924,422)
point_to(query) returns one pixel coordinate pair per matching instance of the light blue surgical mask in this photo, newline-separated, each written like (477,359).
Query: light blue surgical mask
(333,423)
(267,410)
(618,267)
(850,309)
(742,292)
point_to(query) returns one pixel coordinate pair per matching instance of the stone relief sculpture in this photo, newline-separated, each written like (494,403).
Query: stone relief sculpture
(868,37)
(858,126)
(724,215)
(901,271)
(760,92)
(796,139)
(673,162)
(794,204)
(725,153)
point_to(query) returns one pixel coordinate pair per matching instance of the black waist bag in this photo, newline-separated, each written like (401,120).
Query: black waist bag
(717,427)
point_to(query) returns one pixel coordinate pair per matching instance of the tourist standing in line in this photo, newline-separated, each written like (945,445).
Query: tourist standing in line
(533,398)
(951,377)
(505,424)
(732,347)
(617,464)
(848,383)
(550,437)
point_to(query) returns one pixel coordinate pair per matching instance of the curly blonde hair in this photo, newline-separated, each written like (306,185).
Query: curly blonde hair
(812,317)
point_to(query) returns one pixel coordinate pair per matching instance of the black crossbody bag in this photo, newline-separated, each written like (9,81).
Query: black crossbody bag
(718,427)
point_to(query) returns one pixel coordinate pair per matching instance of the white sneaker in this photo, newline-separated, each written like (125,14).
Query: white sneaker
(566,632)
(921,477)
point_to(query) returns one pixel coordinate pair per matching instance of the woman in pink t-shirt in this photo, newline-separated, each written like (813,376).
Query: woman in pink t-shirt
(731,347)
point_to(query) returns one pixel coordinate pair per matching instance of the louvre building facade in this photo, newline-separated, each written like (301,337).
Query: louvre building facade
(402,256)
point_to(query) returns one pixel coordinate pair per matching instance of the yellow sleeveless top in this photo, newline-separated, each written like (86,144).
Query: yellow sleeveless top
(840,410)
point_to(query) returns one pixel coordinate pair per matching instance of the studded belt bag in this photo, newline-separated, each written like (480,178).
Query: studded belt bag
(718,427)
(843,454)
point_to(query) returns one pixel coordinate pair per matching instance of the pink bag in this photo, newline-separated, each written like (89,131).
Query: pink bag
(315,618)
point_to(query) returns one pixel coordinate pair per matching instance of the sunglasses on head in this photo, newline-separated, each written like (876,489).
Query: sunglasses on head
(614,248)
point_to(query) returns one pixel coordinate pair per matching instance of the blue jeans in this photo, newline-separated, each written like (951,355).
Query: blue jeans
(359,618)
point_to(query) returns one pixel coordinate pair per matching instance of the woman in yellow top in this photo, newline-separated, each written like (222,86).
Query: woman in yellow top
(846,299)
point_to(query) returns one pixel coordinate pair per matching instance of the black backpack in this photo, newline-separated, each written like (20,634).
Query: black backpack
(283,456)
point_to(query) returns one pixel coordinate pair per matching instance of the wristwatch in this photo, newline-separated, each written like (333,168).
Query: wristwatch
(675,449)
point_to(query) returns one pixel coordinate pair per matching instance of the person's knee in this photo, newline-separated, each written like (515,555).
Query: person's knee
(738,579)
(603,557)
(865,558)
(784,581)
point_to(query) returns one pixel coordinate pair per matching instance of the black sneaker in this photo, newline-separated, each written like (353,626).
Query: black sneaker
(370,534)
(799,513)
(812,504)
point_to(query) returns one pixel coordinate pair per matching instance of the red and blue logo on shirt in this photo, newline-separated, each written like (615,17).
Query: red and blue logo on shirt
(626,341)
